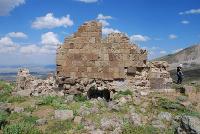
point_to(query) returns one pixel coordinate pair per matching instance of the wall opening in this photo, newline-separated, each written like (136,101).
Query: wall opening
(93,92)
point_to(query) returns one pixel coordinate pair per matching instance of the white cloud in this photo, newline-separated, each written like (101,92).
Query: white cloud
(7,45)
(106,31)
(17,35)
(88,1)
(50,38)
(163,52)
(191,11)
(172,36)
(177,50)
(8,5)
(49,21)
(104,23)
(185,22)
(103,17)
(139,38)
(29,49)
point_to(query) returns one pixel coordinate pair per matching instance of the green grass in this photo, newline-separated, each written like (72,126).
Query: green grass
(80,98)
(5,91)
(59,127)
(130,129)
(3,119)
(122,93)
(54,101)
(175,107)
(20,128)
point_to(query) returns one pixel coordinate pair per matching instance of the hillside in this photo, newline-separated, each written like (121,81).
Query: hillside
(189,57)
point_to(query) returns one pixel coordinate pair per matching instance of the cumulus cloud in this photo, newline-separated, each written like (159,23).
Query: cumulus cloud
(106,31)
(8,5)
(49,21)
(185,22)
(139,38)
(104,23)
(7,45)
(191,11)
(88,1)
(103,17)
(17,35)
(172,36)
(29,49)
(50,38)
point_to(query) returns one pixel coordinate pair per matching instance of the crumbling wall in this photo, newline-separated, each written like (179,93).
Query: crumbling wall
(159,76)
(28,85)
(87,55)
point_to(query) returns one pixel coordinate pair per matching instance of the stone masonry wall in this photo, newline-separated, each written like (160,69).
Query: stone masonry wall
(87,55)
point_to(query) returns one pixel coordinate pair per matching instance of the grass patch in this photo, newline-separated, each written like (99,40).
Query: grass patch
(80,98)
(18,99)
(54,101)
(122,93)
(130,129)
(175,107)
(5,91)
(59,127)
(21,128)
(3,119)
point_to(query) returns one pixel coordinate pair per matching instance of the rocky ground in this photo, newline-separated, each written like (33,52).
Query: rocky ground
(135,112)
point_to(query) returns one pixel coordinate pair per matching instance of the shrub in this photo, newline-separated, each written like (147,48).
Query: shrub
(130,129)
(3,118)
(80,98)
(126,92)
(5,91)
(21,128)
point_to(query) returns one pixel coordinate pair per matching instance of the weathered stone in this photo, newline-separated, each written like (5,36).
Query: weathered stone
(165,116)
(64,114)
(41,122)
(188,125)
(18,109)
(78,119)
(110,123)
(136,119)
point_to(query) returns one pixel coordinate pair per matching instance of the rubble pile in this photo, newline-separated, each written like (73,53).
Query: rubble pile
(28,85)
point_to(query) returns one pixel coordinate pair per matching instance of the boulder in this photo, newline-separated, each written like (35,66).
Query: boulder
(41,122)
(188,125)
(136,119)
(77,119)
(18,109)
(64,114)
(165,116)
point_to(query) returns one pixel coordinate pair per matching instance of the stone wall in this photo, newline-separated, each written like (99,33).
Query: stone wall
(87,55)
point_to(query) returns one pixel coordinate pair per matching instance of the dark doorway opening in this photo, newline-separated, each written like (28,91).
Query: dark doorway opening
(93,92)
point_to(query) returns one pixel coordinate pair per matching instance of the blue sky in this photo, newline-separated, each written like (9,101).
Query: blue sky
(31,29)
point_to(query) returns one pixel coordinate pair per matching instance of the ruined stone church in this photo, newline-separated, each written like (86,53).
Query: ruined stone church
(88,55)
(97,66)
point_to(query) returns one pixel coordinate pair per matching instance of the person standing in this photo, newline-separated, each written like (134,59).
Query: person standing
(179,74)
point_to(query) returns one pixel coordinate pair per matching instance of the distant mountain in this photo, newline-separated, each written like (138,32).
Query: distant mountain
(189,57)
